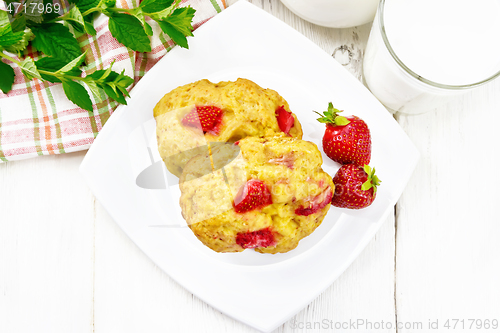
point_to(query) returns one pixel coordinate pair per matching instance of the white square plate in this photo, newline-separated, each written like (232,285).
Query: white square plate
(262,291)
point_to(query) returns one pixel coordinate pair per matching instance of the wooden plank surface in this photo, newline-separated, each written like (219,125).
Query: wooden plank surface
(47,246)
(448,225)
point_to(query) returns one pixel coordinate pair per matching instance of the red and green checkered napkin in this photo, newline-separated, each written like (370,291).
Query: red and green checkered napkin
(36,118)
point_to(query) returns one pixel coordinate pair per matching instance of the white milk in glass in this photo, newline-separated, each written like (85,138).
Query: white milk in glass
(447,46)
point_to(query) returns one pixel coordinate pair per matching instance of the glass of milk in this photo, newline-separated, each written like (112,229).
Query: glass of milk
(422,53)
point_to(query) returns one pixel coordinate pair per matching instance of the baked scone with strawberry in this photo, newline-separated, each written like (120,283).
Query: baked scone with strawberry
(258,193)
(191,116)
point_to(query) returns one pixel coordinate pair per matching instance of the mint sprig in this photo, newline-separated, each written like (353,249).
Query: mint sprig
(50,69)
(130,28)
(175,25)
(53,34)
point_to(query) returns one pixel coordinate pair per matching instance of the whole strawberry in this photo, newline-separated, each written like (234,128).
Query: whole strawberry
(355,186)
(346,139)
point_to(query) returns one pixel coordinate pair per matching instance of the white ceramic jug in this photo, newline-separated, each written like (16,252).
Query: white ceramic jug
(334,13)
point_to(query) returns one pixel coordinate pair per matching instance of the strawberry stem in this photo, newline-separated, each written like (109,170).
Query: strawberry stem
(331,116)
(372,181)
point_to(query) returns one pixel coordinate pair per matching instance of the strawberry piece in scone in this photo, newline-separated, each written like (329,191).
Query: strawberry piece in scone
(285,119)
(208,117)
(317,203)
(253,195)
(259,238)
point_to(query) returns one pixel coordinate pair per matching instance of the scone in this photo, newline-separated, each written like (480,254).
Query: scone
(191,116)
(262,193)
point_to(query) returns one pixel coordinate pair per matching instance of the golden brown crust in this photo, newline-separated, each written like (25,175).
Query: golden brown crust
(248,110)
(290,168)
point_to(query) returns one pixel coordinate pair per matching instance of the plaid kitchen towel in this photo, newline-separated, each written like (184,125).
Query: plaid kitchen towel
(36,118)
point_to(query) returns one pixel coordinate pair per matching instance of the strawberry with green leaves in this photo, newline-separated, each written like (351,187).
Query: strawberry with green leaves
(208,117)
(355,186)
(346,139)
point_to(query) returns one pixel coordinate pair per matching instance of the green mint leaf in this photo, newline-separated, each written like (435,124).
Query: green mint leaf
(123,81)
(147,29)
(22,43)
(177,36)
(85,5)
(123,91)
(160,15)
(118,84)
(78,28)
(29,69)
(4,23)
(7,36)
(49,64)
(75,18)
(6,77)
(49,77)
(114,94)
(94,89)
(137,13)
(109,3)
(32,12)
(56,40)
(11,38)
(101,74)
(56,66)
(73,65)
(89,28)
(128,30)
(181,19)
(77,94)
(19,23)
(49,12)
(117,78)
(113,84)
(154,6)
